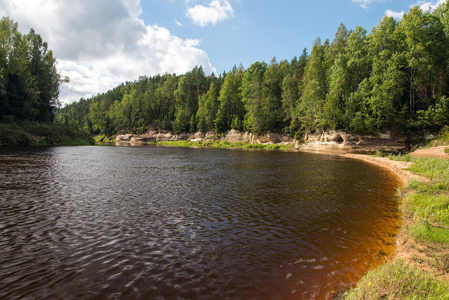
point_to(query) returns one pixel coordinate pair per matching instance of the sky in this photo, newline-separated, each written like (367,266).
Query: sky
(99,44)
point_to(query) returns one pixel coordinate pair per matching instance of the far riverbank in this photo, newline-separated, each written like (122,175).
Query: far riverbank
(334,140)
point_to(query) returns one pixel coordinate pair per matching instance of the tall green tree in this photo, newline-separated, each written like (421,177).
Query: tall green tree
(29,82)
(252,97)
(231,110)
(311,105)
(185,106)
(387,77)
(208,108)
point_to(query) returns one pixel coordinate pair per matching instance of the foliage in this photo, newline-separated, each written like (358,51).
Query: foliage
(398,280)
(29,82)
(393,78)
(42,134)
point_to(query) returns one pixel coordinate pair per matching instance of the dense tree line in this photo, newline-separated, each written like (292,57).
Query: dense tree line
(29,82)
(395,77)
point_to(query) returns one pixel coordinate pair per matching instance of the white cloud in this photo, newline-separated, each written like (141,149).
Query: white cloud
(395,14)
(425,6)
(178,23)
(101,43)
(216,11)
(363,3)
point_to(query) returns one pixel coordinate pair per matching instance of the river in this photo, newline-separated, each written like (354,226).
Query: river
(98,222)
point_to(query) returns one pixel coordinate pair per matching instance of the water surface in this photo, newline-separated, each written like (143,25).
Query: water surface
(176,223)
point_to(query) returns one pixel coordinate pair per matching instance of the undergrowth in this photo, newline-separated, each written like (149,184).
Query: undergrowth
(42,134)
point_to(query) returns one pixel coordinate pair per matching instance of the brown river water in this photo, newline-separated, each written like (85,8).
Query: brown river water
(102,222)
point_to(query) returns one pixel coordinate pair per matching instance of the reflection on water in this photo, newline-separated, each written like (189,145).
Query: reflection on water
(175,223)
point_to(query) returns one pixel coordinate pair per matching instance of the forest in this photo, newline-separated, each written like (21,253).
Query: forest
(29,81)
(393,78)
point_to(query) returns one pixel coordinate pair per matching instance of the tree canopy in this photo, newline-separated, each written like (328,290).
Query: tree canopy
(394,77)
(29,82)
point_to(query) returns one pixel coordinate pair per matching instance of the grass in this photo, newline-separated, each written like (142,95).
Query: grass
(432,168)
(428,201)
(41,134)
(425,205)
(218,144)
(429,234)
(398,280)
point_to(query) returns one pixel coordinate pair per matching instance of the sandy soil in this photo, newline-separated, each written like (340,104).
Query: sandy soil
(437,152)
(435,258)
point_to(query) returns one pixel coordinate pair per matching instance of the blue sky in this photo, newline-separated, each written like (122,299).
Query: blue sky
(101,43)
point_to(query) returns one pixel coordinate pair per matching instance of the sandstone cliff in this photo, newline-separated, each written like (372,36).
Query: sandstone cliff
(331,140)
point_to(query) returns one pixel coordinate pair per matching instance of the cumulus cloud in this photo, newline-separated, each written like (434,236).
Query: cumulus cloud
(395,14)
(101,43)
(425,6)
(216,11)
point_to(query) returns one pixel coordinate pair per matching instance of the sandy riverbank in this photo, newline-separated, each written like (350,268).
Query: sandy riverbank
(407,248)
(397,167)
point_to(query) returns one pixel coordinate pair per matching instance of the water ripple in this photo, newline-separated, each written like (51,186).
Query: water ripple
(161,223)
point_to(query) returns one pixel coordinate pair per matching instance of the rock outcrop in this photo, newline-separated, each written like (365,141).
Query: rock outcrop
(234,136)
(331,140)
(351,141)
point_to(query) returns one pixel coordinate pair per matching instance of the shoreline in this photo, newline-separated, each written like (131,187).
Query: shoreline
(397,167)
(410,254)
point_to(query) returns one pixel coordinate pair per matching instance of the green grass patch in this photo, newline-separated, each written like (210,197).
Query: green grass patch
(218,144)
(398,280)
(432,168)
(428,201)
(430,208)
(429,188)
(42,134)
(401,157)
(425,232)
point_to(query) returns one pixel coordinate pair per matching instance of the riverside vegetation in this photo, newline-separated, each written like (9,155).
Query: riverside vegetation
(420,270)
(29,90)
(394,78)
(42,134)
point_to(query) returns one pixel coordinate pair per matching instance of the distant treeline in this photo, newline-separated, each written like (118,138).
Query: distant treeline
(395,77)
(29,82)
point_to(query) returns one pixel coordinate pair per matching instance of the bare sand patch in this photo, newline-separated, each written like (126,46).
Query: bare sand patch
(435,152)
